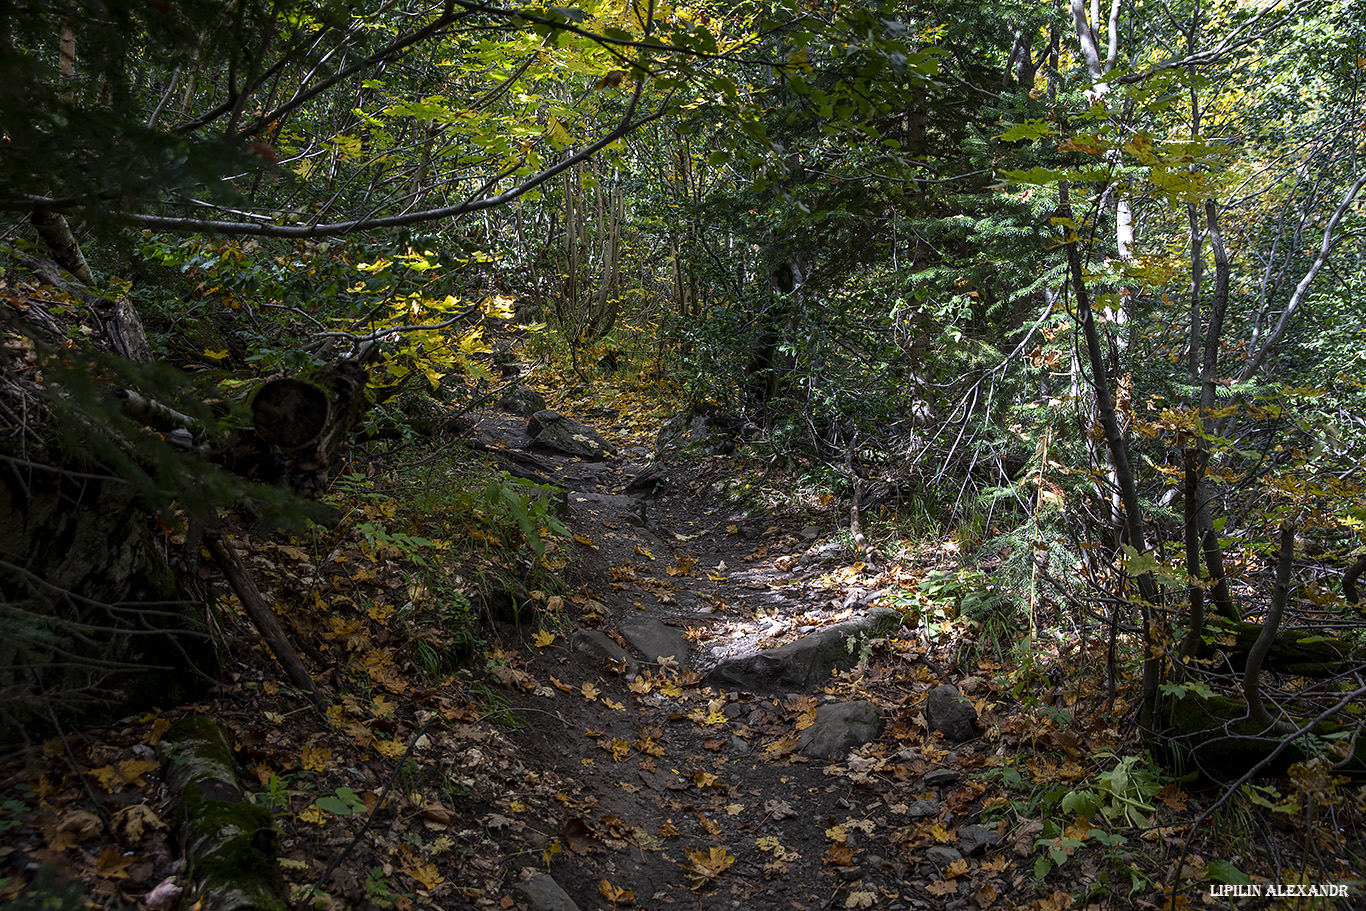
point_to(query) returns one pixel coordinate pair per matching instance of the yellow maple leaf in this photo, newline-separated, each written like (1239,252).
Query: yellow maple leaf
(425,875)
(704,866)
(585,540)
(710,825)
(315,758)
(113,864)
(614,706)
(561,685)
(590,692)
(391,749)
(644,552)
(126,773)
(704,780)
(216,355)
(313,815)
(615,894)
(543,638)
(958,867)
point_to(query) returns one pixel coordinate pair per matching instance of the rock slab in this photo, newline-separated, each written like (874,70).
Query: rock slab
(656,640)
(839,727)
(808,661)
(597,644)
(564,434)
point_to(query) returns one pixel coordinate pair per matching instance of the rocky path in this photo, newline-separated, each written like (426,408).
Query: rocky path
(728,717)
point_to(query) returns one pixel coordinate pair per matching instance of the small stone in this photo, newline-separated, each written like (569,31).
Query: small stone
(923,808)
(940,777)
(545,894)
(942,856)
(875,861)
(809,533)
(974,840)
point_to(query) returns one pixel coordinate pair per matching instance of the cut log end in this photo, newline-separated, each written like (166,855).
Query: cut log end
(290,413)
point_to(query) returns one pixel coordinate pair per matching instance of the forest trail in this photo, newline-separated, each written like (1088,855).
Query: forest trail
(709,706)
(674,790)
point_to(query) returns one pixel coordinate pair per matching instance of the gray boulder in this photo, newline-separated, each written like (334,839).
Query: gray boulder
(693,434)
(950,714)
(808,661)
(521,400)
(840,727)
(555,431)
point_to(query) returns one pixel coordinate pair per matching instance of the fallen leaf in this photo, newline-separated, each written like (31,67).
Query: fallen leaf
(425,875)
(703,867)
(543,638)
(113,865)
(615,894)
(590,692)
(136,821)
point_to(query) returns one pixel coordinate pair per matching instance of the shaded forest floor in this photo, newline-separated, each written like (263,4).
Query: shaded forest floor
(474,759)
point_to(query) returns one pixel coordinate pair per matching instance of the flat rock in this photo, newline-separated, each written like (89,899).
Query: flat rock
(545,894)
(839,727)
(597,644)
(564,434)
(921,809)
(940,777)
(606,507)
(808,661)
(655,640)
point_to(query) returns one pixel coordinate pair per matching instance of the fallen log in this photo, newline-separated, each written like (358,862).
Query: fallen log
(1215,736)
(230,844)
(1300,653)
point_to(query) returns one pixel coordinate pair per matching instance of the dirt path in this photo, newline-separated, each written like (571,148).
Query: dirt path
(684,792)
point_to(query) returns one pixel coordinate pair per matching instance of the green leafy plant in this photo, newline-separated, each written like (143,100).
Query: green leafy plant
(528,504)
(377,890)
(341,802)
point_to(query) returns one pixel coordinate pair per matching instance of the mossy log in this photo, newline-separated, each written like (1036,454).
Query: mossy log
(1296,652)
(229,843)
(1214,736)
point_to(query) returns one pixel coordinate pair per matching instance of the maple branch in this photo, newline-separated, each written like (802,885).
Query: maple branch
(333,229)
